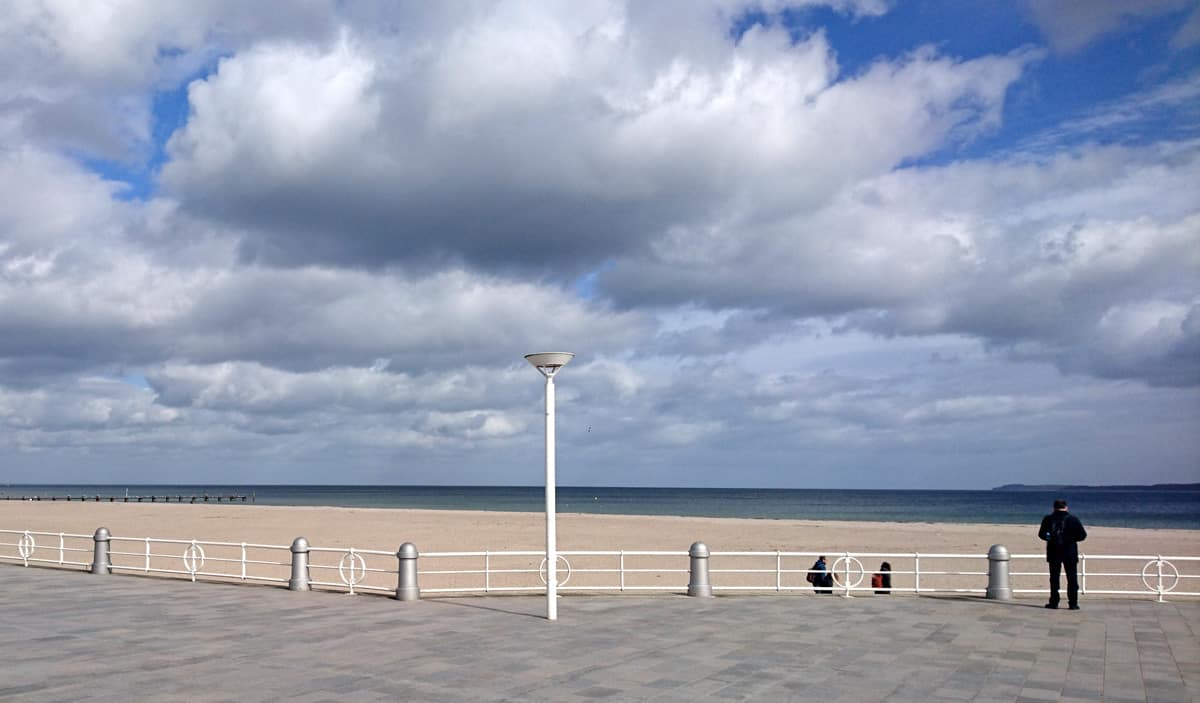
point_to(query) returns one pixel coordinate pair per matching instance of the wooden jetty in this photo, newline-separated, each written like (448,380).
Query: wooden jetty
(177,498)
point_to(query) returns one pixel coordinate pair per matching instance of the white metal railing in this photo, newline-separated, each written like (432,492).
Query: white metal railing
(243,561)
(598,570)
(53,546)
(352,569)
(1159,575)
(375,571)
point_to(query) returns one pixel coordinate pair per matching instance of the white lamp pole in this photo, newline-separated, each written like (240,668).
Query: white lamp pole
(549,363)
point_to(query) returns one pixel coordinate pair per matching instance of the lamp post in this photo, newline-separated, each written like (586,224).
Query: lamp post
(549,364)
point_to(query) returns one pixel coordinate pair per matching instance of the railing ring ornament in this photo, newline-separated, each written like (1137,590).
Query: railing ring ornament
(26,546)
(193,559)
(1158,565)
(848,563)
(561,570)
(352,569)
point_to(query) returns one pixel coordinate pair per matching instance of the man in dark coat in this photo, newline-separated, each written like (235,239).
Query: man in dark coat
(819,577)
(1062,532)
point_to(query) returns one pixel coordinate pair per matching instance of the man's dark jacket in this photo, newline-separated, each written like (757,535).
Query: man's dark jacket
(1072,534)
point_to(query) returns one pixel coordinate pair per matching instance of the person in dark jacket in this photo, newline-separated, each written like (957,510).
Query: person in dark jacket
(1062,532)
(819,577)
(882,580)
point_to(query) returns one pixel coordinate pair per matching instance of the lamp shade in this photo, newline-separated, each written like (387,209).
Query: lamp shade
(549,360)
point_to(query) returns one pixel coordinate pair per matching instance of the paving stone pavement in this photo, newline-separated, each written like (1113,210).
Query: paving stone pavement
(71,636)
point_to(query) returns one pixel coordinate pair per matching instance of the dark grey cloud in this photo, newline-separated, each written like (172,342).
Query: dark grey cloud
(1086,260)
(590,147)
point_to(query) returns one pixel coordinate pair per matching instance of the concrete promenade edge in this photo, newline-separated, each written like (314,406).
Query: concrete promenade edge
(71,636)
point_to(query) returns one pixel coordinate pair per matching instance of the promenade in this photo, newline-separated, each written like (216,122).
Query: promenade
(71,636)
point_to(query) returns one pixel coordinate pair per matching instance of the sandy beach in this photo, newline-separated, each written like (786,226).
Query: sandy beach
(456,531)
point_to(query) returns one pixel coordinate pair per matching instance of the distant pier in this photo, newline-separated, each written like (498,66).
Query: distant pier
(177,498)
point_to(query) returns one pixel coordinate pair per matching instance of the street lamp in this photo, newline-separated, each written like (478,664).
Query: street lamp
(549,363)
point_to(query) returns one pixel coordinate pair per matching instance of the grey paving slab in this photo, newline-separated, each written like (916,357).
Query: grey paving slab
(72,636)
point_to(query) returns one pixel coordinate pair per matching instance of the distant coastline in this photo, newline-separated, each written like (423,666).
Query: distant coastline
(1072,487)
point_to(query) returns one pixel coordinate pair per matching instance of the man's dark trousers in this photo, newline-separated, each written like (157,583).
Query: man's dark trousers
(1071,567)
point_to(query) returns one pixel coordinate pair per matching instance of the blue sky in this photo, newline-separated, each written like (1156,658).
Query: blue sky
(812,244)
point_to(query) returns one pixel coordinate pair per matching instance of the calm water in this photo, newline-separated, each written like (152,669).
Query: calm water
(1118,508)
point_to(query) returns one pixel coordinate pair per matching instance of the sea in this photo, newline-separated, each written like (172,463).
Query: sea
(1177,508)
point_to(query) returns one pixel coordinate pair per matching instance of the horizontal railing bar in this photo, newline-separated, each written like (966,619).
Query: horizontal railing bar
(335,550)
(238,577)
(46,534)
(766,587)
(39,560)
(377,589)
(680,588)
(357,569)
(478,571)
(435,555)
(480,589)
(618,553)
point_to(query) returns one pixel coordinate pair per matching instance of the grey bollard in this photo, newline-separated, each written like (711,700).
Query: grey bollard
(698,580)
(299,580)
(406,583)
(998,588)
(100,562)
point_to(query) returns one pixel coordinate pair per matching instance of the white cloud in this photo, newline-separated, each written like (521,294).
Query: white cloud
(1070,25)
(373,211)
(87,404)
(274,114)
(80,75)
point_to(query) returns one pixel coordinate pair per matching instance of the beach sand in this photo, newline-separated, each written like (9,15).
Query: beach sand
(457,531)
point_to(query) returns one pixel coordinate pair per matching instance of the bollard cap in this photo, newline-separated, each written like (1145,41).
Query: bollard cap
(299,545)
(998,552)
(102,535)
(408,550)
(698,549)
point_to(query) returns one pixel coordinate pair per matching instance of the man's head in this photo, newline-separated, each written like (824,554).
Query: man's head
(1060,504)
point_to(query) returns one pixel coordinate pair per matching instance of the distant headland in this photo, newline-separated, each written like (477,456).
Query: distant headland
(1069,487)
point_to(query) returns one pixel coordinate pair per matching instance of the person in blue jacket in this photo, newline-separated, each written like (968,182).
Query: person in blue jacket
(820,577)
(1062,532)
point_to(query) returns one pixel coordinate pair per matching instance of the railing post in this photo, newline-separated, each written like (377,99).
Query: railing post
(998,588)
(846,576)
(100,562)
(698,584)
(406,582)
(299,580)
(917,572)
(1158,563)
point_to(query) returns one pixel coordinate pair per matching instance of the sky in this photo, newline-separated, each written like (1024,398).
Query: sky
(811,244)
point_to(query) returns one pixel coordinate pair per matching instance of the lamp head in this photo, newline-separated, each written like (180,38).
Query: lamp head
(548,363)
